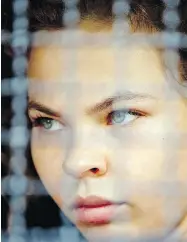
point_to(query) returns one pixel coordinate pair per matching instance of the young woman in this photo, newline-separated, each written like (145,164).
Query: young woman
(109,134)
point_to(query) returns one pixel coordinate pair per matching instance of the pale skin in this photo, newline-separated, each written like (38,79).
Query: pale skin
(140,156)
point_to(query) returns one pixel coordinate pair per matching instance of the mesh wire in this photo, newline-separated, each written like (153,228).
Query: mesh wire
(17,185)
(18,133)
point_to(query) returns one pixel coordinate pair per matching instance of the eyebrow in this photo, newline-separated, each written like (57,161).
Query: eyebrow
(127,96)
(42,108)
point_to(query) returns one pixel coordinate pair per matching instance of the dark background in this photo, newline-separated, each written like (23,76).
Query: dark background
(41,210)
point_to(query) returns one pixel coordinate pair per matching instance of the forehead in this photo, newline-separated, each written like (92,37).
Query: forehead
(57,57)
(94,62)
(89,47)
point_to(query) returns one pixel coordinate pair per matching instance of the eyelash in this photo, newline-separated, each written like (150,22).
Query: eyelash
(37,121)
(132,112)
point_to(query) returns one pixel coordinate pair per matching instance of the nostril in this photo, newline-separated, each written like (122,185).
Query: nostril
(95,170)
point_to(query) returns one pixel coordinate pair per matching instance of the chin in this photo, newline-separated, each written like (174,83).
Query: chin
(120,233)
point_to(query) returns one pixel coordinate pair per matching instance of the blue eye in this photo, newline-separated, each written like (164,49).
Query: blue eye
(122,117)
(48,124)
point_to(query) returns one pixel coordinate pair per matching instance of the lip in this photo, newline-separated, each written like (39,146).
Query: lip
(95,210)
(91,202)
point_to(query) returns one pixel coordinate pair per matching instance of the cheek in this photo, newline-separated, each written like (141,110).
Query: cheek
(145,165)
(48,163)
(181,170)
(152,154)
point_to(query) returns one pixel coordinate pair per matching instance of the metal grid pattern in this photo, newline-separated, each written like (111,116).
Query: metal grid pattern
(17,184)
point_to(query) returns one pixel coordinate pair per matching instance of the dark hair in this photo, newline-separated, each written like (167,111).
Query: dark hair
(143,14)
(48,14)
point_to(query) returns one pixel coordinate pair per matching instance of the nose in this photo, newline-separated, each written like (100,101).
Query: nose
(87,157)
(81,163)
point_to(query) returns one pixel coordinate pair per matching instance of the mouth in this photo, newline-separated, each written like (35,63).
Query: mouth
(95,210)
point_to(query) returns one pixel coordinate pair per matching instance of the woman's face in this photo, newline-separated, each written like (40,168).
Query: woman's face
(110,126)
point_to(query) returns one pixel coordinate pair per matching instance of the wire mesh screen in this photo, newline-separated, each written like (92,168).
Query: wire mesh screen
(104,155)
